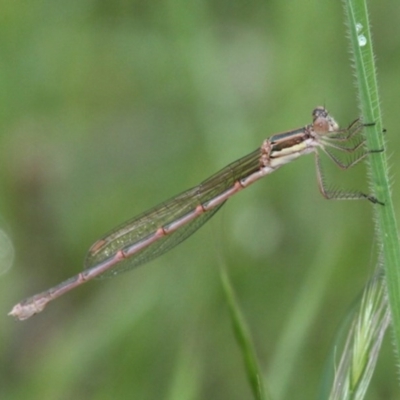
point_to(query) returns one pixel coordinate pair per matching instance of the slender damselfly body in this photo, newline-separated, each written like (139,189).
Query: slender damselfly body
(158,230)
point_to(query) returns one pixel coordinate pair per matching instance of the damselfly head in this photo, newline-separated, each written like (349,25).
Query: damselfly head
(322,122)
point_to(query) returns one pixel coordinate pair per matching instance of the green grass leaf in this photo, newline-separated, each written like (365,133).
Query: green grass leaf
(386,226)
(243,338)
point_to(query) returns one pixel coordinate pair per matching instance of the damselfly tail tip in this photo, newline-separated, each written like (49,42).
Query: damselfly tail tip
(18,312)
(24,311)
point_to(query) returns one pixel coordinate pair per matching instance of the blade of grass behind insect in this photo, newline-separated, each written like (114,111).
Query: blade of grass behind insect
(243,338)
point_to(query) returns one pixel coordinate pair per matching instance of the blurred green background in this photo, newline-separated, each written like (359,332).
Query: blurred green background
(110,107)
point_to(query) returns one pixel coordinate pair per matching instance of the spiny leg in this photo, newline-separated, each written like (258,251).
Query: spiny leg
(327,142)
(337,194)
(347,133)
(350,164)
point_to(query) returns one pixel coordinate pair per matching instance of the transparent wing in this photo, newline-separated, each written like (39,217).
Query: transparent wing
(146,224)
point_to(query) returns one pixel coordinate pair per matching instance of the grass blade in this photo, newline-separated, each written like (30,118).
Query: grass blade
(243,338)
(385,226)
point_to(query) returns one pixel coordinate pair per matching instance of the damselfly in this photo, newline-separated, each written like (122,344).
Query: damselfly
(163,227)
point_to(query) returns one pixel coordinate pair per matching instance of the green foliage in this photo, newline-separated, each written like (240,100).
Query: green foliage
(244,340)
(386,226)
(109,108)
